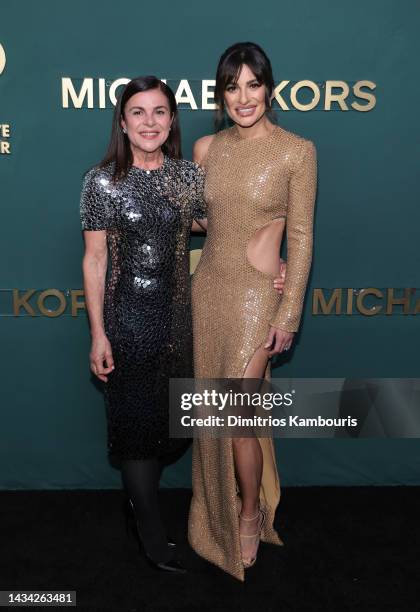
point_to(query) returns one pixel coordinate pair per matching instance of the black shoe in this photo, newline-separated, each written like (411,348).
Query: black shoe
(131,522)
(172,565)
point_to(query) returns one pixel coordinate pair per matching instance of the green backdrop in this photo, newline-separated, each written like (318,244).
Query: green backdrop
(367,221)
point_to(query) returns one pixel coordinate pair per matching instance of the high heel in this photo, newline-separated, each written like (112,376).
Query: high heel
(250,562)
(130,520)
(132,526)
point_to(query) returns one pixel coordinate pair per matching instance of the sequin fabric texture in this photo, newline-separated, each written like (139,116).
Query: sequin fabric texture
(249,184)
(147,308)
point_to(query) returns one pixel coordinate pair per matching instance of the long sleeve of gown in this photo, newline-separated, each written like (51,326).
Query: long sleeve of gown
(299,228)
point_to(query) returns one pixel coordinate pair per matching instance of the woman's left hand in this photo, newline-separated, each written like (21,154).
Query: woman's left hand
(278,340)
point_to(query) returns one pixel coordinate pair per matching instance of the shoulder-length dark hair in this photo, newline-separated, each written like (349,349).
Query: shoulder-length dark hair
(228,70)
(119,150)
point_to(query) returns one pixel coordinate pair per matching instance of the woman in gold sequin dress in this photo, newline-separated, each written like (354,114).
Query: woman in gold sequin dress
(260,180)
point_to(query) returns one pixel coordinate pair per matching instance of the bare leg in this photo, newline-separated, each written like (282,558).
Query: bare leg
(248,460)
(263,255)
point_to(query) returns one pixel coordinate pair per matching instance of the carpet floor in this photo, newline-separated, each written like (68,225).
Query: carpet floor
(352,548)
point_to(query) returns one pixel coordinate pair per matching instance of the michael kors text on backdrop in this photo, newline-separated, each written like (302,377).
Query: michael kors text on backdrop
(368,301)
(339,301)
(303,95)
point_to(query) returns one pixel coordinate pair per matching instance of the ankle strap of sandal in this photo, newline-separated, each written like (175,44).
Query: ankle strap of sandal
(250,519)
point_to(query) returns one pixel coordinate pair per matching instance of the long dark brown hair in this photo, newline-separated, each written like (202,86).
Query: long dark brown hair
(228,71)
(119,150)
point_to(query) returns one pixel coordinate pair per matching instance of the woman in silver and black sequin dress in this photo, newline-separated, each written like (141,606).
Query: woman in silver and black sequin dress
(139,205)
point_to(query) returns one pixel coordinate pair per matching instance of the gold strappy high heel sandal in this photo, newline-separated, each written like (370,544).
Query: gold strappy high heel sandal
(250,562)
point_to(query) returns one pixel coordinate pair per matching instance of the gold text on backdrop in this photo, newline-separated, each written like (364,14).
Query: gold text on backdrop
(88,92)
(58,301)
(368,301)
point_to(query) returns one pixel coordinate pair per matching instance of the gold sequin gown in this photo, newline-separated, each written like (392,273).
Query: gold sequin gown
(249,183)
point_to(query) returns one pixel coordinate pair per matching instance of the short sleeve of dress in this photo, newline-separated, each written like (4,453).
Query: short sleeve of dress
(198,204)
(95,202)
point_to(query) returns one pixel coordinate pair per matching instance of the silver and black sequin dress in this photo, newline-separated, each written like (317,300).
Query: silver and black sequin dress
(147,311)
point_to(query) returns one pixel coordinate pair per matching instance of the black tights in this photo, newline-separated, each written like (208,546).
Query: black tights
(141,482)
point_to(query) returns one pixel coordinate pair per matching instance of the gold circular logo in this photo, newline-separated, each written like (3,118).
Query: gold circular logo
(2,58)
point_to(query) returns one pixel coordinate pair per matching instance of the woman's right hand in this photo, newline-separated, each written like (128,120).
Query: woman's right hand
(101,360)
